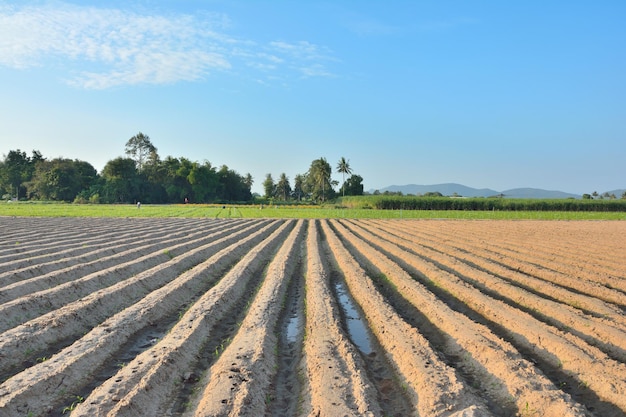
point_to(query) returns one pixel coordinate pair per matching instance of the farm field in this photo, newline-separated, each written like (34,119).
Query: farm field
(311,317)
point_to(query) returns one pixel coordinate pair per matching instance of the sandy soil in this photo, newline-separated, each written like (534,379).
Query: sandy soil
(205,317)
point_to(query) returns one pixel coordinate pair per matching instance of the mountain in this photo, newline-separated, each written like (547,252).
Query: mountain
(465,191)
(537,193)
(445,189)
(617,193)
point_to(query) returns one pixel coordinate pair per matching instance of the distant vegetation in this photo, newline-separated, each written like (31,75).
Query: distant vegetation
(142,176)
(391,202)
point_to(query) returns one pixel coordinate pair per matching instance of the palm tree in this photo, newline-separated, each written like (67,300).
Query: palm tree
(248,181)
(343,166)
(319,176)
(283,188)
(268,186)
(298,186)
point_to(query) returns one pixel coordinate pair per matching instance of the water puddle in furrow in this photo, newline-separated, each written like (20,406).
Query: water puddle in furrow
(292,328)
(286,386)
(356,326)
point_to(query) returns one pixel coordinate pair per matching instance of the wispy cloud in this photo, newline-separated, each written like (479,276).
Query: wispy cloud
(102,48)
(305,57)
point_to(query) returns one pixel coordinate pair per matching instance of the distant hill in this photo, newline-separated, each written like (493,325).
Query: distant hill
(537,193)
(445,189)
(448,189)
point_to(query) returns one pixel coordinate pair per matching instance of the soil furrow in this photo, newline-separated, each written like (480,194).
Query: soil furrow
(284,397)
(572,247)
(496,367)
(44,230)
(49,247)
(195,316)
(117,276)
(94,232)
(147,384)
(432,386)
(78,317)
(592,287)
(605,333)
(521,251)
(28,265)
(561,356)
(239,383)
(53,275)
(581,293)
(335,379)
(74,366)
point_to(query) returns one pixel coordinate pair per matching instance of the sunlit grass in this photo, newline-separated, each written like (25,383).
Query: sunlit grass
(32,209)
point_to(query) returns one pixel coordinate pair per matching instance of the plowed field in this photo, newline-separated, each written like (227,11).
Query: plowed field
(253,317)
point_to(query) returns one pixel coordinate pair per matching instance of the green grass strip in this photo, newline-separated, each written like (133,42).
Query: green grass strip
(38,209)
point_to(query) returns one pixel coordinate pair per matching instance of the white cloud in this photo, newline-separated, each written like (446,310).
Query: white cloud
(101,48)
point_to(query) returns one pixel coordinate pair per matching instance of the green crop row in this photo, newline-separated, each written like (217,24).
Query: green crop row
(482,204)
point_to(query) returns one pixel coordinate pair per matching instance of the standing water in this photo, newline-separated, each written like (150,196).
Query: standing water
(356,326)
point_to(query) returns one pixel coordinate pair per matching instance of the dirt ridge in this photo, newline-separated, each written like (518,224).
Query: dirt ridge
(262,317)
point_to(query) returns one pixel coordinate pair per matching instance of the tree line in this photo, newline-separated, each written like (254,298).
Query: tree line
(314,185)
(142,176)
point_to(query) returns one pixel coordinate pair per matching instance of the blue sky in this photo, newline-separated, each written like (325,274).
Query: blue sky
(494,94)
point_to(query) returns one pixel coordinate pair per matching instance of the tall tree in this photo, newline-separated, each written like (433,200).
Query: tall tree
(299,186)
(204,182)
(232,186)
(283,188)
(121,181)
(353,185)
(61,179)
(268,186)
(141,149)
(248,181)
(17,169)
(318,179)
(343,166)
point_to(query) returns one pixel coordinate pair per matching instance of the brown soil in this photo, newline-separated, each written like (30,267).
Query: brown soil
(197,317)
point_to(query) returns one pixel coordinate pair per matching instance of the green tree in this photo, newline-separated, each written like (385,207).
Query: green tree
(268,186)
(353,186)
(141,150)
(175,173)
(298,186)
(343,167)
(318,180)
(121,181)
(16,170)
(283,188)
(232,186)
(61,179)
(248,181)
(204,182)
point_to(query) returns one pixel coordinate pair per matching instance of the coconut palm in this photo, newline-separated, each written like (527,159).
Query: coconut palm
(299,186)
(343,166)
(283,188)
(319,177)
